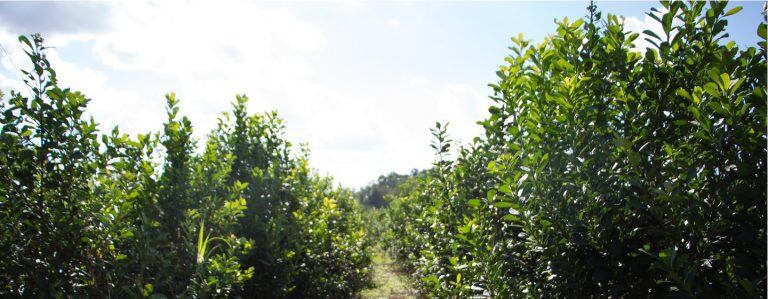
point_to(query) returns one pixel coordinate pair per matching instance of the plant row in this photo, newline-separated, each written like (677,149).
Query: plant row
(110,215)
(605,171)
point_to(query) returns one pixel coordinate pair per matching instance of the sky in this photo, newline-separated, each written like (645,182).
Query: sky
(360,82)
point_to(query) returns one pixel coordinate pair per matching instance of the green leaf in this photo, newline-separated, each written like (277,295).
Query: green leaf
(430,279)
(726,80)
(473,203)
(733,11)
(666,23)
(505,189)
(562,63)
(25,40)
(453,260)
(651,33)
(683,93)
(491,194)
(711,88)
(492,166)
(510,217)
(148,289)
(577,23)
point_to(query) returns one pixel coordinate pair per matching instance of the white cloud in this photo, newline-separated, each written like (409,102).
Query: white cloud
(461,106)
(214,51)
(379,134)
(199,38)
(207,53)
(7,84)
(109,106)
(211,51)
(419,81)
(12,57)
(634,24)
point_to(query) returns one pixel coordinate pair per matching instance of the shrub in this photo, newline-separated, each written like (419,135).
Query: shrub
(150,216)
(613,173)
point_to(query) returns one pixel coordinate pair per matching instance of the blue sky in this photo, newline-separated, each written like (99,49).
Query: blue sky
(361,82)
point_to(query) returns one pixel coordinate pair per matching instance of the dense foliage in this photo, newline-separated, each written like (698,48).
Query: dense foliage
(85,214)
(603,171)
(378,193)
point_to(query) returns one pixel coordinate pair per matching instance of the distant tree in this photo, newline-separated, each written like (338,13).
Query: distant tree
(375,194)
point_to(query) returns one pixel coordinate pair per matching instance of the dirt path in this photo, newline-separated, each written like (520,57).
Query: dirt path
(390,283)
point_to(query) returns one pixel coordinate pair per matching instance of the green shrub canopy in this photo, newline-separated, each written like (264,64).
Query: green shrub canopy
(84,216)
(604,171)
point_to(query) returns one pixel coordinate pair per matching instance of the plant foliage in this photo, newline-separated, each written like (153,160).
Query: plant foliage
(91,215)
(604,171)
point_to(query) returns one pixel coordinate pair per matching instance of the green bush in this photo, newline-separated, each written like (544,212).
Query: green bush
(124,217)
(603,171)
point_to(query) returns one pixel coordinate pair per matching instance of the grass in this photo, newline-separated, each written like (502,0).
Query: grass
(389,282)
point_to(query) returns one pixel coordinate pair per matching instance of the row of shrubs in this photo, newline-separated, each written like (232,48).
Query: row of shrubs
(86,214)
(605,171)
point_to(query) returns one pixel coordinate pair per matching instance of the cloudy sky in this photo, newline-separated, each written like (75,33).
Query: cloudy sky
(361,82)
